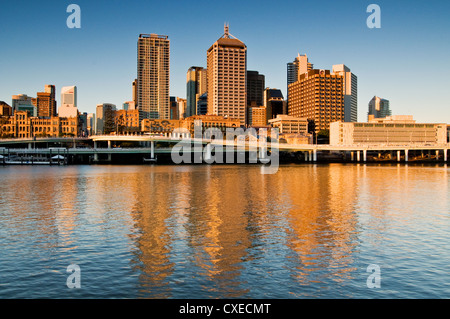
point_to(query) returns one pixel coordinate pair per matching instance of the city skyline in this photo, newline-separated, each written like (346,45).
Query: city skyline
(386,60)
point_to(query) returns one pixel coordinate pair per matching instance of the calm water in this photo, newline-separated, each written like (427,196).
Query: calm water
(310,231)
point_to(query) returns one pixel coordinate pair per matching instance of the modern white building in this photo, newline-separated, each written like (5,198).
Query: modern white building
(392,130)
(350,92)
(68,106)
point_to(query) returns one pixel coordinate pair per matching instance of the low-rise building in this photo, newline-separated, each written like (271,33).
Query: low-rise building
(22,125)
(392,130)
(290,124)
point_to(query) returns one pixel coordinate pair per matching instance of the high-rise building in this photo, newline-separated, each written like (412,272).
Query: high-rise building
(153,70)
(350,92)
(195,87)
(378,108)
(299,66)
(105,118)
(318,95)
(255,88)
(274,103)
(227,71)
(68,106)
(46,102)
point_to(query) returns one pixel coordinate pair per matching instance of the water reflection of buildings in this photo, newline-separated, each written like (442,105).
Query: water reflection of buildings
(323,221)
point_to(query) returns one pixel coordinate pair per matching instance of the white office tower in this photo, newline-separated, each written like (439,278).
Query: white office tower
(68,106)
(350,92)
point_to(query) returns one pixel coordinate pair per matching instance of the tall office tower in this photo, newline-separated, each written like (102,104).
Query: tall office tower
(227,71)
(23,102)
(350,92)
(46,103)
(195,87)
(68,106)
(105,114)
(299,66)
(319,96)
(378,108)
(274,103)
(255,88)
(153,76)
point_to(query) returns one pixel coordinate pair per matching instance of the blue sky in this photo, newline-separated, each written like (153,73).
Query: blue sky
(406,61)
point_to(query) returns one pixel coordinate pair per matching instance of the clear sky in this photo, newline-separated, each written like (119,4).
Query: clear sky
(406,61)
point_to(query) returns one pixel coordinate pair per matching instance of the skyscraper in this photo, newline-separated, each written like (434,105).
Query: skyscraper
(318,95)
(153,76)
(68,106)
(46,103)
(299,66)
(255,88)
(378,108)
(350,87)
(195,87)
(227,71)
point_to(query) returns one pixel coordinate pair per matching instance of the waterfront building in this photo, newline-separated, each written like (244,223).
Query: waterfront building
(127,121)
(226,79)
(350,90)
(22,125)
(159,126)
(105,118)
(23,102)
(5,109)
(274,103)
(378,108)
(196,85)
(392,130)
(153,70)
(318,95)
(210,121)
(290,124)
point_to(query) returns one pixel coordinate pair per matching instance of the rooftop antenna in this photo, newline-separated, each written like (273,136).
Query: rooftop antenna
(226,29)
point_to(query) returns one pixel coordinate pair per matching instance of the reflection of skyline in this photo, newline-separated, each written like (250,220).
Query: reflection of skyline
(219,231)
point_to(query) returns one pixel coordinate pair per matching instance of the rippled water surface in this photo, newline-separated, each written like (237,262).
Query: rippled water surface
(309,231)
